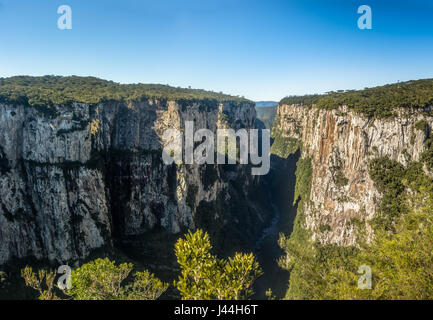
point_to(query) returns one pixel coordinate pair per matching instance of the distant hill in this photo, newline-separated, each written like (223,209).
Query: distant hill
(266,104)
(266,115)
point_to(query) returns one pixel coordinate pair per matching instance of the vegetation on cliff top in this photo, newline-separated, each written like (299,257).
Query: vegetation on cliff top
(57,90)
(377,102)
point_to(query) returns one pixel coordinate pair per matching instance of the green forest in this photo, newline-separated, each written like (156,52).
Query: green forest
(56,90)
(379,102)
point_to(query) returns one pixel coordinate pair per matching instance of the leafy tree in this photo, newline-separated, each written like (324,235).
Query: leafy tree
(3,278)
(43,282)
(205,277)
(103,280)
(98,280)
(270,295)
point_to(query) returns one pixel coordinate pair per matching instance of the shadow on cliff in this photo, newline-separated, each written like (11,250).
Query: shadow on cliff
(251,221)
(281,183)
(234,219)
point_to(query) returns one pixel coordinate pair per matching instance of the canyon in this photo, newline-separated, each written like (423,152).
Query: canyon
(84,177)
(89,176)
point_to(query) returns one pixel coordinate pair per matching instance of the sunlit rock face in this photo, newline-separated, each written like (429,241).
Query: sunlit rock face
(75,178)
(341,143)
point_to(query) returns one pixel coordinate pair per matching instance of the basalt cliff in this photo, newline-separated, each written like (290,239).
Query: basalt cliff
(339,144)
(79,176)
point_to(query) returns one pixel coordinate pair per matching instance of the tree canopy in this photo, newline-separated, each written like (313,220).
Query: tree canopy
(375,102)
(100,279)
(57,90)
(103,280)
(205,277)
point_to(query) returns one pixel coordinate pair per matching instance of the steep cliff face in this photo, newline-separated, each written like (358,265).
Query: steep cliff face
(76,176)
(340,144)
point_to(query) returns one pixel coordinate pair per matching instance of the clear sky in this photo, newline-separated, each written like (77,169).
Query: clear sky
(263,50)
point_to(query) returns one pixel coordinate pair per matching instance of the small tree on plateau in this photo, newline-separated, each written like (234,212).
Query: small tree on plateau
(205,277)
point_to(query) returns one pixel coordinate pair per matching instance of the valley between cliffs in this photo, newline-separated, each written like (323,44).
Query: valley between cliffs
(83,177)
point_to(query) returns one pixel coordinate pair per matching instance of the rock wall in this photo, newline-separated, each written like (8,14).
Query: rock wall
(75,177)
(340,144)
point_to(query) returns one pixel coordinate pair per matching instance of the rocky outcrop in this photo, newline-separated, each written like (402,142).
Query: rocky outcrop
(340,144)
(76,176)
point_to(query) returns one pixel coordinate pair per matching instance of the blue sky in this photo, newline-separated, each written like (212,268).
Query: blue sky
(263,50)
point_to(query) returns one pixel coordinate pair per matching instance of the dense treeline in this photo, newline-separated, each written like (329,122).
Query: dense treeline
(374,102)
(307,100)
(56,90)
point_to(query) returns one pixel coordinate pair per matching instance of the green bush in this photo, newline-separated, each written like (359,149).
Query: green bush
(3,279)
(103,280)
(422,125)
(284,147)
(340,179)
(100,279)
(388,179)
(427,155)
(324,228)
(205,277)
(304,176)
